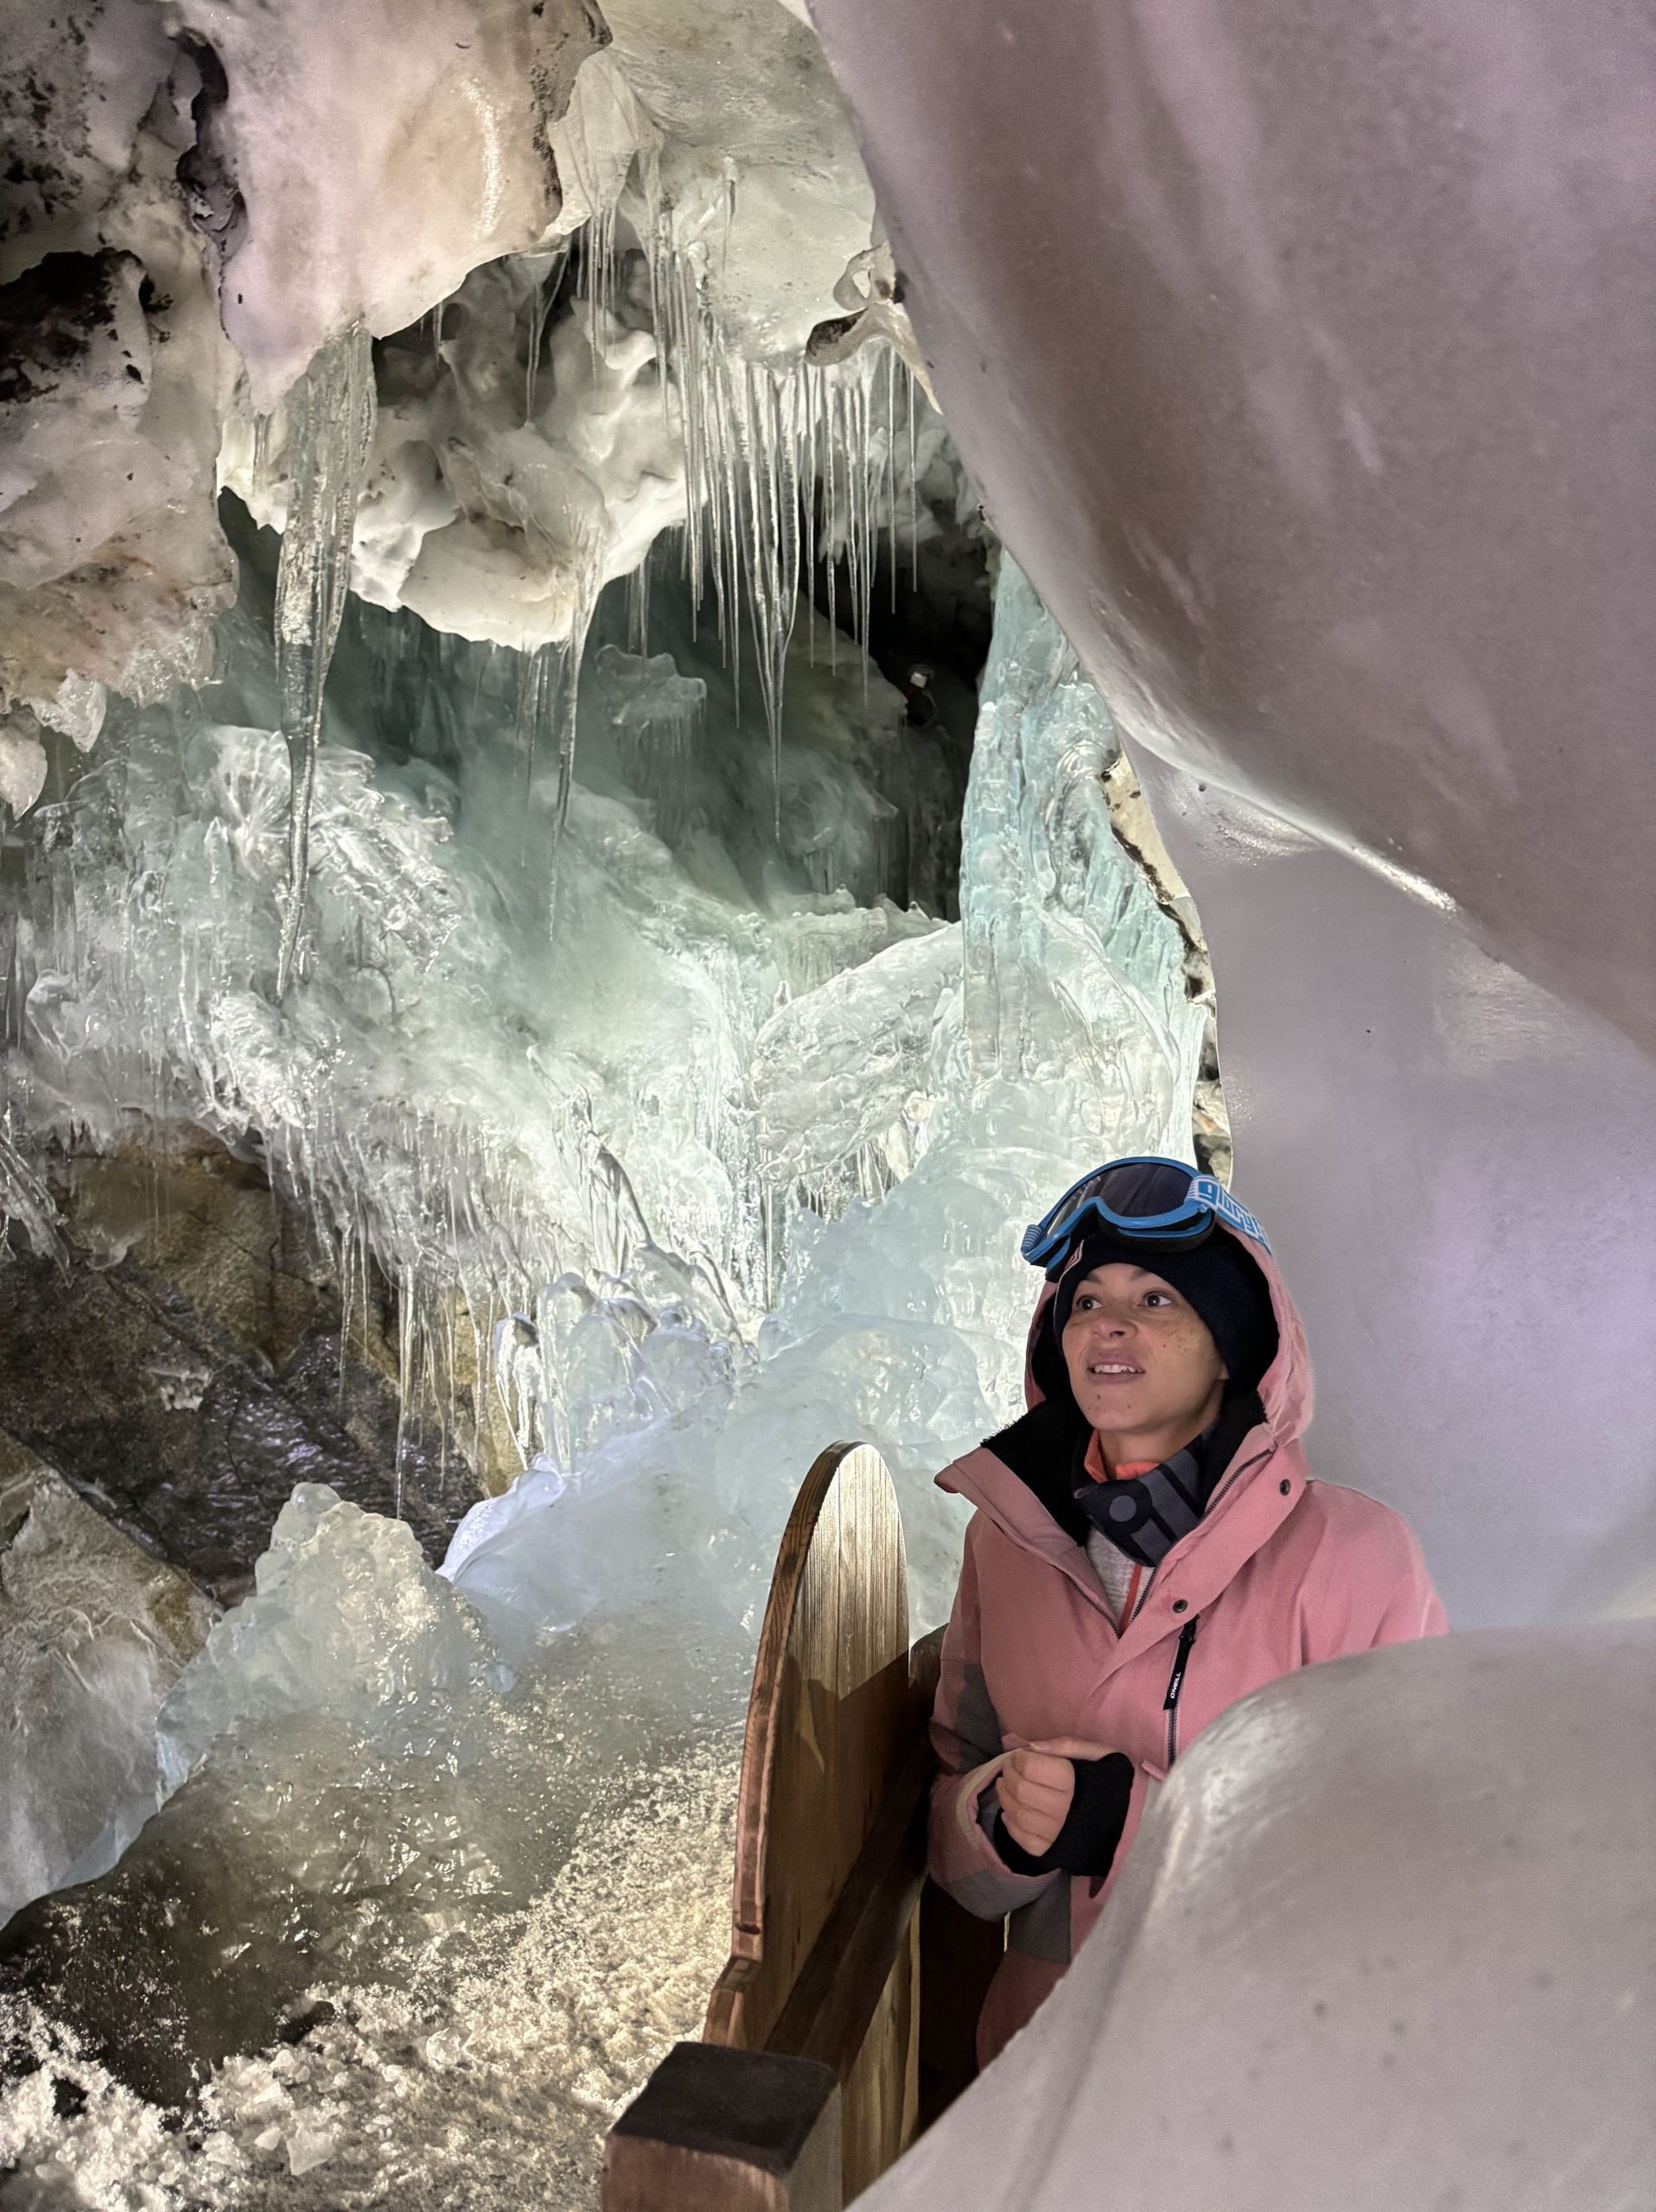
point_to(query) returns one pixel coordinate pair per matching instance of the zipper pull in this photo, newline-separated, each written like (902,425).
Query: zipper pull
(1175,1684)
(1180,1659)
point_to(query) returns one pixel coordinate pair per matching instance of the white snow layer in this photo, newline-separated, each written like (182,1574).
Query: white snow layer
(369,156)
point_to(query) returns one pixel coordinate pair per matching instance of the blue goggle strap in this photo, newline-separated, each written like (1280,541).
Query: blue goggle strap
(1207,1196)
(1208,1191)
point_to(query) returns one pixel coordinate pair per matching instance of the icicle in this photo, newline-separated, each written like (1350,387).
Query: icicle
(332,415)
(638,609)
(914,489)
(768,442)
(535,676)
(599,273)
(405,1311)
(782,462)
(546,270)
(568,698)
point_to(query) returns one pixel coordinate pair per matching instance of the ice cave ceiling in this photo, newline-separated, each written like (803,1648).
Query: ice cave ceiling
(1317,406)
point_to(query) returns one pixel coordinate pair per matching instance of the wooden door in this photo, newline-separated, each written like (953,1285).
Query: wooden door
(830,1824)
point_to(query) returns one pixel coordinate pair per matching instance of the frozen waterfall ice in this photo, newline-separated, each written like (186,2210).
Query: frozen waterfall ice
(749,1177)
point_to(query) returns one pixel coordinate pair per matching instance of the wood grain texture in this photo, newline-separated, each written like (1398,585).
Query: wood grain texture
(728,2131)
(829,1821)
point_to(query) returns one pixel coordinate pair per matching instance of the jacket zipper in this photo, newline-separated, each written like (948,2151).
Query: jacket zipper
(1175,1684)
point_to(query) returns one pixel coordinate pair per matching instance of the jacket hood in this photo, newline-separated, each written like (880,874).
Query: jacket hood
(1284,1389)
(1019,1479)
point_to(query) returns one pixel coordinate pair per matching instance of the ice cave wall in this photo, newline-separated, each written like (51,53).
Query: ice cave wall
(589,1163)
(455,1844)
(1316,403)
(206,219)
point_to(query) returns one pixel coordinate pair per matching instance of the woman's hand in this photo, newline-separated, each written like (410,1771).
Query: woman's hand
(1035,1787)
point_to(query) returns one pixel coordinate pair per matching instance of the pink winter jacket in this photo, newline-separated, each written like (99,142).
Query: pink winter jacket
(1281,1572)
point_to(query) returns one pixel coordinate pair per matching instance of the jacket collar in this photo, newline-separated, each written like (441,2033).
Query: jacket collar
(1017,1479)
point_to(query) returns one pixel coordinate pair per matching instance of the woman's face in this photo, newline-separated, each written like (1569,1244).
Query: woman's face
(1142,1362)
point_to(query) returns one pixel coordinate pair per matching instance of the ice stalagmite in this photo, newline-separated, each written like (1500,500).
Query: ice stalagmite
(333,413)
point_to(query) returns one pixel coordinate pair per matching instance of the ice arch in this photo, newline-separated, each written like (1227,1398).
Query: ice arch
(1305,356)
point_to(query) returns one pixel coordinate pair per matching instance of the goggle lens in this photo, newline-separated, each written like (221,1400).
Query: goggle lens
(1135,1189)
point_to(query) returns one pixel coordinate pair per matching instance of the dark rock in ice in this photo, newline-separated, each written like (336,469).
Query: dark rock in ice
(185,1385)
(68,2098)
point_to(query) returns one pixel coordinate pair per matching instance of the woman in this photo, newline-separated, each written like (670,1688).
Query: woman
(1148,1545)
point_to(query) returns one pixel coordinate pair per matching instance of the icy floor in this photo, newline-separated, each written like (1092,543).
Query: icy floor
(486,2077)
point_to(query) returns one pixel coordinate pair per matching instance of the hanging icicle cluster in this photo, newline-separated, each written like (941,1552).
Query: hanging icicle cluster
(786,460)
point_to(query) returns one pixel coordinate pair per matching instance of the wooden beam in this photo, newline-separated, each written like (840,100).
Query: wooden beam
(716,2130)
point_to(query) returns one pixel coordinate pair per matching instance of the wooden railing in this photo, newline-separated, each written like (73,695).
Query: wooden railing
(816,2067)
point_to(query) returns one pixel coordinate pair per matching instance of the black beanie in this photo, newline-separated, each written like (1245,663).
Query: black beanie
(1216,1277)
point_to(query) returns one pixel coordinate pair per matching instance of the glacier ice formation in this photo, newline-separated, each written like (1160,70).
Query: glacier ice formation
(705,1248)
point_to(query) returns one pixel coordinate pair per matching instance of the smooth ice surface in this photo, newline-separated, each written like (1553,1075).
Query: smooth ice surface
(1263,325)
(1452,1163)
(1289,417)
(1383,1941)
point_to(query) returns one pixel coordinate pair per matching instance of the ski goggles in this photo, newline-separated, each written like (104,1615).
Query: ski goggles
(1163,1204)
